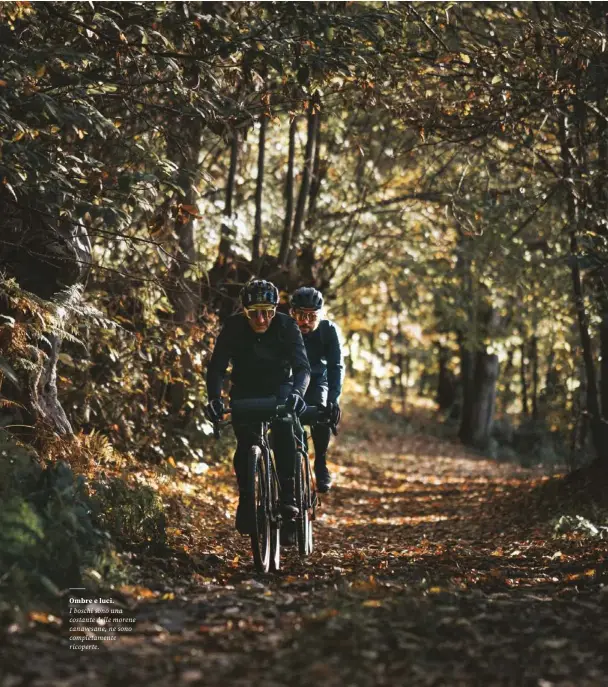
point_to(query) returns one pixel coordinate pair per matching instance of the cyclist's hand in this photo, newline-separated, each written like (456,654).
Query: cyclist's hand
(296,404)
(334,413)
(214,410)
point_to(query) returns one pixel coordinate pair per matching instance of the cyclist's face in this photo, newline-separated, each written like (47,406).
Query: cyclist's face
(260,317)
(307,320)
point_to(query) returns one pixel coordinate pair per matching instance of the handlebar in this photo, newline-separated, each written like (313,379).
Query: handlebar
(264,409)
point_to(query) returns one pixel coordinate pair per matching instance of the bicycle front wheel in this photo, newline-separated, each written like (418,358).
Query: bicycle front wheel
(304,523)
(258,484)
(275,519)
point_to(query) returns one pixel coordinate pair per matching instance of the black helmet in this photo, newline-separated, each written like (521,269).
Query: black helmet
(307,297)
(259,292)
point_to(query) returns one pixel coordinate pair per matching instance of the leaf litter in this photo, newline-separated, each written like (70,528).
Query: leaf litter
(432,566)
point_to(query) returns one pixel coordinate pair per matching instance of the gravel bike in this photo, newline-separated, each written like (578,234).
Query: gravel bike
(263,488)
(264,495)
(306,492)
(305,486)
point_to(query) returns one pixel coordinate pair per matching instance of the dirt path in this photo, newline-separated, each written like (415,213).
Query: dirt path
(428,571)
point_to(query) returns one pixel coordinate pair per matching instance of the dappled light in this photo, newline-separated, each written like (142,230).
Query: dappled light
(414,558)
(384,221)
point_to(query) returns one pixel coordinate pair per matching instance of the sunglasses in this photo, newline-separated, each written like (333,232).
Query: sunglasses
(306,315)
(267,312)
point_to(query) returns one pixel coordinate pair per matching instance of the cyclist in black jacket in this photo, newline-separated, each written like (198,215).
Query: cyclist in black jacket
(327,371)
(268,359)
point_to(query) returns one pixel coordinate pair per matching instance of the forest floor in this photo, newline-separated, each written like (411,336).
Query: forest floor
(433,566)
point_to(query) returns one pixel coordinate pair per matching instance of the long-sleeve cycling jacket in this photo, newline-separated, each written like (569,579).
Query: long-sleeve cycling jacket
(262,364)
(325,357)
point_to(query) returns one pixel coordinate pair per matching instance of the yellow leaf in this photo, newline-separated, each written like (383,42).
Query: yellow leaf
(372,603)
(465,58)
(171,461)
(435,590)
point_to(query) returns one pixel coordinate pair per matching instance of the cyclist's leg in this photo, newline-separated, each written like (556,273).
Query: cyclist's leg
(320,438)
(284,444)
(247,434)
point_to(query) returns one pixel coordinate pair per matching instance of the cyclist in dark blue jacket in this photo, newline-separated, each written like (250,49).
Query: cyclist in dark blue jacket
(268,359)
(326,371)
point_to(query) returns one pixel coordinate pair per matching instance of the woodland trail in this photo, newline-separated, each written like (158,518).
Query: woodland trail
(430,568)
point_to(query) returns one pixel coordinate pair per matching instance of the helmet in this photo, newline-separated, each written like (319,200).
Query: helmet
(259,292)
(307,297)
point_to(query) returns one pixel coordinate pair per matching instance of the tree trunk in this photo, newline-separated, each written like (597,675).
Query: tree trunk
(534,360)
(50,262)
(298,221)
(484,385)
(523,377)
(259,185)
(184,293)
(604,363)
(467,372)
(316,177)
(574,217)
(404,362)
(445,382)
(288,221)
(507,375)
(467,359)
(227,231)
(370,377)
(602,203)
(348,361)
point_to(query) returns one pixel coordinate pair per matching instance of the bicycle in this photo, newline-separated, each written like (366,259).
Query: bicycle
(306,494)
(262,481)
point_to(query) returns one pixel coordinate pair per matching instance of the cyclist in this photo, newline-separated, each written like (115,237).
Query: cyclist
(268,359)
(327,371)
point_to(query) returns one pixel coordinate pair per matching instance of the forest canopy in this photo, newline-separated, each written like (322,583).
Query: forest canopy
(438,170)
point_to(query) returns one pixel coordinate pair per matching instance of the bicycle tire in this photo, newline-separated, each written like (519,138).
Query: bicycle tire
(312,503)
(303,519)
(257,484)
(275,521)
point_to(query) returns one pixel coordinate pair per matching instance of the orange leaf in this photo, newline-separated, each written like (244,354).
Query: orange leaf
(192,210)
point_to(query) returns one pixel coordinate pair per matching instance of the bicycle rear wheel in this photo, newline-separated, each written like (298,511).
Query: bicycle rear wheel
(259,487)
(303,522)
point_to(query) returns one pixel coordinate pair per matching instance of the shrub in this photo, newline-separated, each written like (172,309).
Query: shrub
(133,516)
